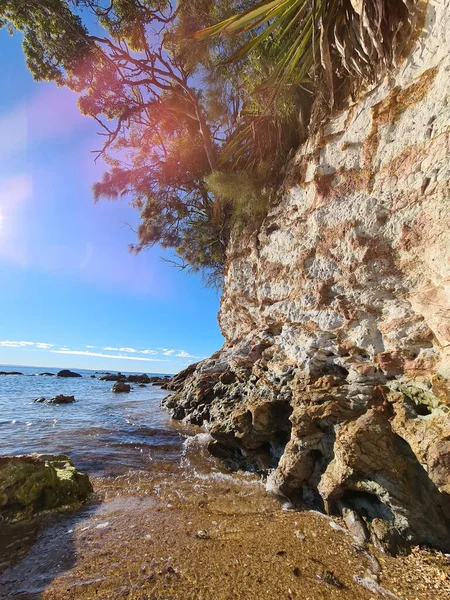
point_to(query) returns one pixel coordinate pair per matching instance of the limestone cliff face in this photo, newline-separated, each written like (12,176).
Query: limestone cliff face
(336,314)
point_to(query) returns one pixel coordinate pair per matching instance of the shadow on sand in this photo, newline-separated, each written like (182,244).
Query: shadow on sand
(33,554)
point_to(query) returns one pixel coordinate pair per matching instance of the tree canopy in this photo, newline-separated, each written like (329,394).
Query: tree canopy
(199,102)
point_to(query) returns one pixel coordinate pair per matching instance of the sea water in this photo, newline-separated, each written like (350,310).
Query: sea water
(103,432)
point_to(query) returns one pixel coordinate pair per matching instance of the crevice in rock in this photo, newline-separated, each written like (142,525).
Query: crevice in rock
(423,410)
(367,505)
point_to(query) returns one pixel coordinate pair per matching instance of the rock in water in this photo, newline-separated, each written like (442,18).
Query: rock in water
(111,377)
(61,399)
(120,386)
(139,378)
(10,373)
(67,373)
(38,482)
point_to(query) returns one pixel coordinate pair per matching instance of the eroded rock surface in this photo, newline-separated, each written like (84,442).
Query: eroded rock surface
(336,314)
(39,482)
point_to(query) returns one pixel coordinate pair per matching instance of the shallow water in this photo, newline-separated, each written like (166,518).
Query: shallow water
(101,431)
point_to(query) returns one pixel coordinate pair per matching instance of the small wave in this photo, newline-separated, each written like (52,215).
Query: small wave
(199,441)
(195,453)
(245,479)
(272,485)
(199,464)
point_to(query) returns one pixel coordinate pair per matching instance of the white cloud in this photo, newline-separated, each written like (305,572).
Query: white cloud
(101,355)
(167,352)
(177,353)
(8,344)
(184,354)
(113,349)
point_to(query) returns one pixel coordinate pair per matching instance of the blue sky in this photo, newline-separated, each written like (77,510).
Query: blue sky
(71,294)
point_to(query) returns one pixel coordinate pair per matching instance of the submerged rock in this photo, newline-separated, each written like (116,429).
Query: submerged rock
(39,482)
(67,373)
(120,386)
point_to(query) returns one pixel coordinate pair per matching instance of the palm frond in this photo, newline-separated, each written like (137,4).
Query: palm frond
(316,41)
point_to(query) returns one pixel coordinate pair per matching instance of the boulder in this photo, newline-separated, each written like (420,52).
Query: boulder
(39,482)
(45,374)
(120,386)
(61,399)
(10,373)
(41,399)
(67,373)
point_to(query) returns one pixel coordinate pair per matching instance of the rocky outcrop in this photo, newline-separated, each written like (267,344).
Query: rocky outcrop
(120,387)
(336,313)
(39,482)
(67,373)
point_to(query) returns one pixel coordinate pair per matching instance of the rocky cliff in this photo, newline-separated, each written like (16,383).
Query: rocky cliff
(336,367)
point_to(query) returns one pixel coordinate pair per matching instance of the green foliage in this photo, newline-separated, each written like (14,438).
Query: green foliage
(54,38)
(245,194)
(196,126)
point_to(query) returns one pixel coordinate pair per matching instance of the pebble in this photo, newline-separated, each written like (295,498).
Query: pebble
(202,534)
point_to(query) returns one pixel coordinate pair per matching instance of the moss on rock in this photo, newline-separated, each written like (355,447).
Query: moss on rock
(39,482)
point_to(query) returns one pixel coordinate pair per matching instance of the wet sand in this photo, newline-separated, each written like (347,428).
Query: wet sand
(182,533)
